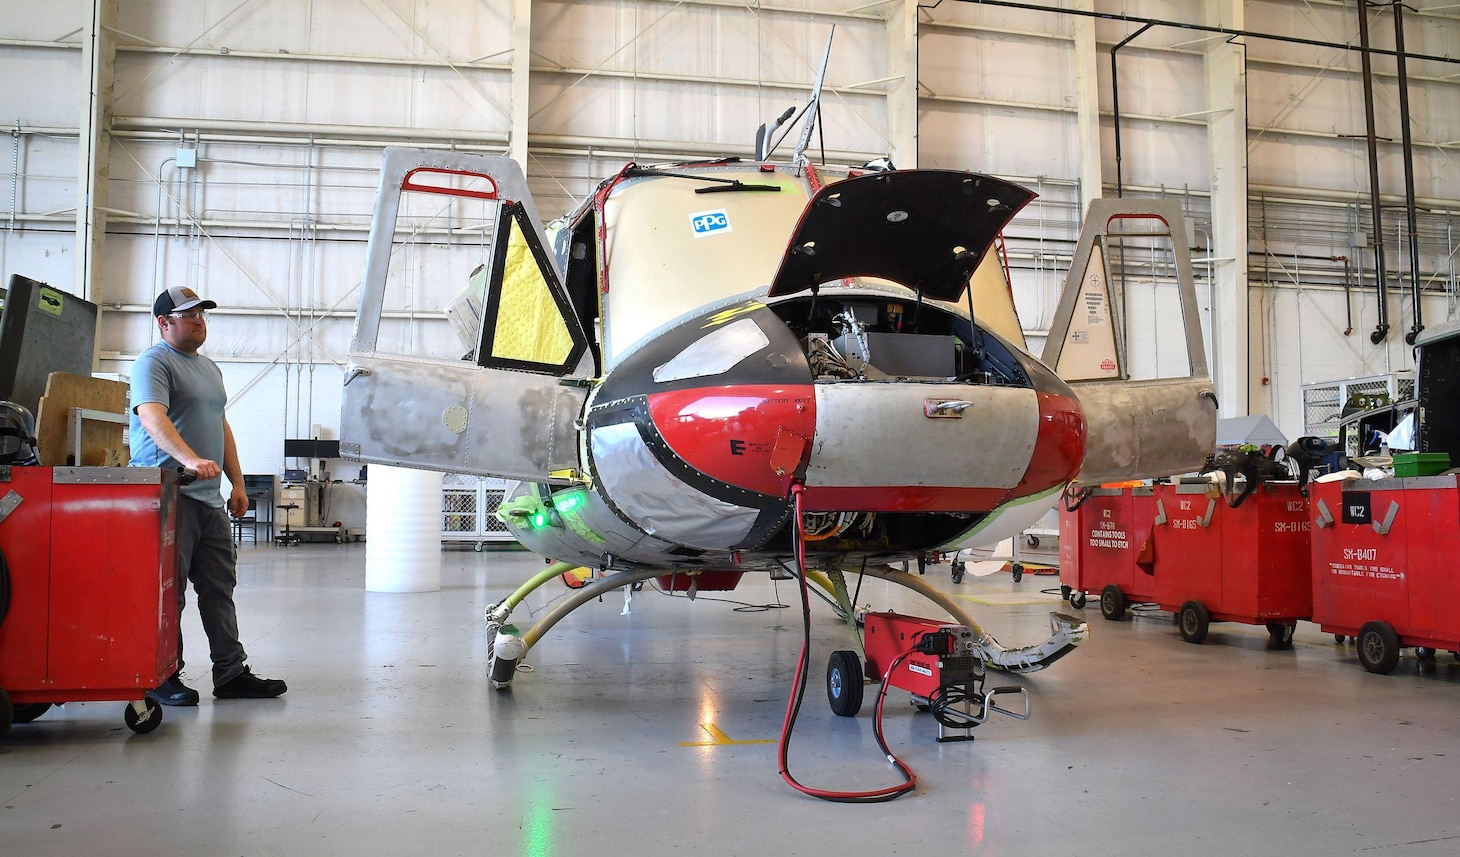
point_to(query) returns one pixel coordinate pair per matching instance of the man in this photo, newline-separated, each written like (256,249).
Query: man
(177,420)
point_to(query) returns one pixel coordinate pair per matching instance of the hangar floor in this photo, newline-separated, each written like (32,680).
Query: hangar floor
(390,742)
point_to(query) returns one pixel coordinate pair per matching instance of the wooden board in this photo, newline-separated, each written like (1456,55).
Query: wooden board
(101,442)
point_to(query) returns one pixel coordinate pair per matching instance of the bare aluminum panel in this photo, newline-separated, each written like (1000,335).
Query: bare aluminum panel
(1146,429)
(872,434)
(458,417)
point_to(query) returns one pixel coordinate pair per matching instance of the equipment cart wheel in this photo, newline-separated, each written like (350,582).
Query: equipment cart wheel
(1018,571)
(1338,638)
(135,721)
(1112,603)
(1424,653)
(1193,620)
(956,569)
(1280,634)
(1064,592)
(1077,599)
(1378,647)
(844,683)
(29,711)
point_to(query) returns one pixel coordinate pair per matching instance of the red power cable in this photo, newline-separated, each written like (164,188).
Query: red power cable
(793,706)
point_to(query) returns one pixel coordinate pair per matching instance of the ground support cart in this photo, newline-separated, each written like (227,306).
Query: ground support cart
(89,580)
(1103,548)
(1383,565)
(1218,563)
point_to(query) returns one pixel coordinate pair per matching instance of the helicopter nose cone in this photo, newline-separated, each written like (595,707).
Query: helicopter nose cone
(752,436)
(697,437)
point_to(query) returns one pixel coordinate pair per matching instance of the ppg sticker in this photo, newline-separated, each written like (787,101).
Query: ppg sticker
(709,222)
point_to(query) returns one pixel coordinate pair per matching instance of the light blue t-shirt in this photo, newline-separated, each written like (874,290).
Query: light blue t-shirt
(190,386)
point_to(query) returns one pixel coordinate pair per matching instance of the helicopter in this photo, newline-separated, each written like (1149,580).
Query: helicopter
(741,365)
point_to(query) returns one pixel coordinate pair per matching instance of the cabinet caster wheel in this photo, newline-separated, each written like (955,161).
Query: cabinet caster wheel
(140,723)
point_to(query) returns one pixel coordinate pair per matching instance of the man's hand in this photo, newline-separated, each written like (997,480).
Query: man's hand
(205,468)
(237,500)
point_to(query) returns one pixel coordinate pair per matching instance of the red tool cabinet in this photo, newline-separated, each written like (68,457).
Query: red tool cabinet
(93,615)
(1103,548)
(1217,563)
(1383,566)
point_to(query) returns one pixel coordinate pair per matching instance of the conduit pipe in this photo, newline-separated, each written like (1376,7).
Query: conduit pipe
(1408,149)
(1115,101)
(1381,331)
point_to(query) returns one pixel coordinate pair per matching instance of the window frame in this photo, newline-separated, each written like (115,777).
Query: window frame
(514,211)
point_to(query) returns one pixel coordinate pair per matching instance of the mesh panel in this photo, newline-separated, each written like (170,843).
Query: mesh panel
(492,500)
(468,506)
(458,511)
(1320,411)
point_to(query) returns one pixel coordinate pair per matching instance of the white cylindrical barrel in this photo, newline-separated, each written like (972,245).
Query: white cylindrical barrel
(403,530)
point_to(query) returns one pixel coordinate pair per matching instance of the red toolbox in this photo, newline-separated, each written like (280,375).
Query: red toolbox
(1104,548)
(1217,563)
(1383,566)
(88,556)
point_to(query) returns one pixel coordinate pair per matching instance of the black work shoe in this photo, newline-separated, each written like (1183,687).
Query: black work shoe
(246,685)
(173,692)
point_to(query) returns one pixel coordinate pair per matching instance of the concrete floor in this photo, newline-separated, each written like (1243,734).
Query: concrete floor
(390,741)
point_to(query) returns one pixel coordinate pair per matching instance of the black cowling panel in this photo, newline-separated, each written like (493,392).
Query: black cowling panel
(924,229)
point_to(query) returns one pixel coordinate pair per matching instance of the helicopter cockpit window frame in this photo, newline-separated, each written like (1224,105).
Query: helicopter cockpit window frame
(526,313)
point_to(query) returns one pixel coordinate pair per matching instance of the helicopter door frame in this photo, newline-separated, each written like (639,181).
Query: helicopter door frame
(1137,429)
(510,415)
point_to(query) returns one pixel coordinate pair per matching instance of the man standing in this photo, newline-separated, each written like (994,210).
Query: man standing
(177,420)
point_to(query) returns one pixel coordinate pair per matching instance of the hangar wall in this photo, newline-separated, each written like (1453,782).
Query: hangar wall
(286,105)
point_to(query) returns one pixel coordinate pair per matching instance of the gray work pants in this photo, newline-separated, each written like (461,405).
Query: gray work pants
(206,556)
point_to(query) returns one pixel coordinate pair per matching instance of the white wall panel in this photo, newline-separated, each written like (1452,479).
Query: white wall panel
(997,140)
(1172,156)
(1344,166)
(47,182)
(39,254)
(48,21)
(48,94)
(997,67)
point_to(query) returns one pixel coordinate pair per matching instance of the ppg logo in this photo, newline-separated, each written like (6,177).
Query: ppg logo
(709,222)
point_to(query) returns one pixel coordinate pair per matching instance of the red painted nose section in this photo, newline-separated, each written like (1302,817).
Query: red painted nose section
(1059,449)
(754,437)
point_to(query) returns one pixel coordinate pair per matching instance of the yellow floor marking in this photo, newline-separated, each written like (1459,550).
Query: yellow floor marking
(718,738)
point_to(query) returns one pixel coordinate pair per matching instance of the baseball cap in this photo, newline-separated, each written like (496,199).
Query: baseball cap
(177,299)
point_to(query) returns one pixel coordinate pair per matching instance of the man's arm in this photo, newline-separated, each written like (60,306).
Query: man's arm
(237,498)
(153,416)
